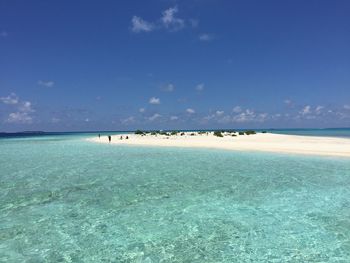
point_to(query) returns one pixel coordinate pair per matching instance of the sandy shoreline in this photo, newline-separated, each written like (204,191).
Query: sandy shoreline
(265,142)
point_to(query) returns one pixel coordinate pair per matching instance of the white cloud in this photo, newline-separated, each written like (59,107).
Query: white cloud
(11,99)
(319,109)
(346,107)
(55,120)
(140,25)
(154,100)
(190,111)
(47,84)
(168,88)
(142,110)
(205,37)
(246,116)
(154,117)
(23,109)
(287,101)
(170,21)
(306,110)
(174,118)
(250,116)
(128,120)
(26,106)
(200,87)
(219,113)
(237,109)
(19,117)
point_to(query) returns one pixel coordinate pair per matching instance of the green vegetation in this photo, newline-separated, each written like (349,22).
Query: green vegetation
(250,132)
(218,134)
(264,132)
(139,132)
(164,133)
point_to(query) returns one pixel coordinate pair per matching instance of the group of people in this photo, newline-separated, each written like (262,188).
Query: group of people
(110,137)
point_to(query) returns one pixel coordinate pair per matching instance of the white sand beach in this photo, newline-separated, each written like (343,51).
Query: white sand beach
(267,142)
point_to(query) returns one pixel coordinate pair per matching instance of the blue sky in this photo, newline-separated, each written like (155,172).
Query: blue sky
(195,64)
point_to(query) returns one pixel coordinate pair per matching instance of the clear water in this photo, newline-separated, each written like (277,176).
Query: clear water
(63,199)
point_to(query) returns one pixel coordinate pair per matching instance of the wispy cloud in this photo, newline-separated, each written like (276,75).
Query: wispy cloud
(319,109)
(140,25)
(142,110)
(237,109)
(128,120)
(55,120)
(190,111)
(20,117)
(219,112)
(306,110)
(346,107)
(168,88)
(154,117)
(200,87)
(47,84)
(170,21)
(174,118)
(22,109)
(11,99)
(287,101)
(154,100)
(241,116)
(205,37)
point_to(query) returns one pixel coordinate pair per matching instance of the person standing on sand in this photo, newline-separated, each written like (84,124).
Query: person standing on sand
(99,136)
(109,138)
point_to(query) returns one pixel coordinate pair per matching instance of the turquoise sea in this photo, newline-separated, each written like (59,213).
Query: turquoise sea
(63,199)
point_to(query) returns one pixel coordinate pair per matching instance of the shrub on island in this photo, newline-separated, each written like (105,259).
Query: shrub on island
(139,132)
(241,133)
(250,132)
(218,134)
(174,133)
(164,133)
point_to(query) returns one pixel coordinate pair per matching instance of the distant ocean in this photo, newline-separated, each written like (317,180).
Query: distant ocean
(328,132)
(64,199)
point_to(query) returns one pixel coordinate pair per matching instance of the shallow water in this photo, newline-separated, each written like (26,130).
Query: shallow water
(63,199)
